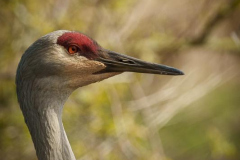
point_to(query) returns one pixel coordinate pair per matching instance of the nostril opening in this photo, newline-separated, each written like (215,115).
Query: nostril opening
(131,62)
(127,61)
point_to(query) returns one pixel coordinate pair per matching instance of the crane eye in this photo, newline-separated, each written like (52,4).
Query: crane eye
(73,49)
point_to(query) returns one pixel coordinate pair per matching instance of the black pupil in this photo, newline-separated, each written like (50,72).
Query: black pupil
(74,49)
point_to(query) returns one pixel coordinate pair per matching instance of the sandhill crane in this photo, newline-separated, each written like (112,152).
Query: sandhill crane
(51,69)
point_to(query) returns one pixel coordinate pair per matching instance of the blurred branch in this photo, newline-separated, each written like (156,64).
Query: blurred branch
(222,13)
(167,92)
(180,99)
(132,20)
(187,98)
(128,150)
(201,38)
(152,131)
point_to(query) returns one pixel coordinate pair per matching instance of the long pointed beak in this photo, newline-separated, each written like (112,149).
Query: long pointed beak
(116,62)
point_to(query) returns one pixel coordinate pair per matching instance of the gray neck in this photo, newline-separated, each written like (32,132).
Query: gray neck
(42,110)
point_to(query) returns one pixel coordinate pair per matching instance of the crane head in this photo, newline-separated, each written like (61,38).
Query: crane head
(78,60)
(48,72)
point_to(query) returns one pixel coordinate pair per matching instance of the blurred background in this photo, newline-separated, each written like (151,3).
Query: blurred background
(135,116)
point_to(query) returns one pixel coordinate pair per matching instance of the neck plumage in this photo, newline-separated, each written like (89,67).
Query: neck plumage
(42,110)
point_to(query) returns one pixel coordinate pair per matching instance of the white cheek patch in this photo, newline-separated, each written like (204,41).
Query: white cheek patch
(71,65)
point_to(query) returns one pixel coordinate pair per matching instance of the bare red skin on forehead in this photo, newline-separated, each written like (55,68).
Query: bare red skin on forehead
(87,46)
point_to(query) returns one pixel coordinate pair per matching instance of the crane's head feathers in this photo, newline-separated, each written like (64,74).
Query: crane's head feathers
(80,44)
